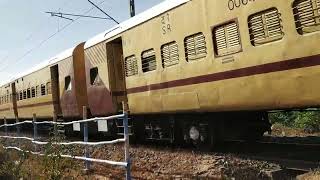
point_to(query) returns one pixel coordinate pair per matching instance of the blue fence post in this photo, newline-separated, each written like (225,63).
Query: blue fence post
(85,137)
(55,126)
(5,127)
(35,130)
(126,138)
(18,126)
(18,129)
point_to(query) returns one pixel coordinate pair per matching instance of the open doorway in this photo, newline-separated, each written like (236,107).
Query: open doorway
(54,70)
(116,72)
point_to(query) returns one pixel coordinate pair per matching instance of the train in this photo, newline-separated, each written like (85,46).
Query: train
(195,71)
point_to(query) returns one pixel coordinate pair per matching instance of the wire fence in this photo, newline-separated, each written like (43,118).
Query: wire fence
(85,142)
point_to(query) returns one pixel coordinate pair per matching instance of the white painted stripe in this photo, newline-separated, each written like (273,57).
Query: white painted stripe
(66,123)
(124,164)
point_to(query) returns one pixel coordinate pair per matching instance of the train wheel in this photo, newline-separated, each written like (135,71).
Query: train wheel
(200,135)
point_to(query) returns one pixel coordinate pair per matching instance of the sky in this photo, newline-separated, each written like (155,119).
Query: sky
(25,28)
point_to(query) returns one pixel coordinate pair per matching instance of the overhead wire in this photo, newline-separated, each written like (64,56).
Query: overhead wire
(30,36)
(47,39)
(5,59)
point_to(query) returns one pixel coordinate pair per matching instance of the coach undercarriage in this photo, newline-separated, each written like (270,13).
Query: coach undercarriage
(200,129)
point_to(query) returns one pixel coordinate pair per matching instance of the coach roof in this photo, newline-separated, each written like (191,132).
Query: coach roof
(134,21)
(61,56)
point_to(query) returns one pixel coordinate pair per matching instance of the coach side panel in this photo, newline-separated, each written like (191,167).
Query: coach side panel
(34,95)
(244,73)
(6,102)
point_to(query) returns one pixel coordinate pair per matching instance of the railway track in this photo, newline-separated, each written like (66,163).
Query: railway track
(289,155)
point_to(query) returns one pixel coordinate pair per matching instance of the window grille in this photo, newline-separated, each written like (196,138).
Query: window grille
(195,46)
(43,89)
(33,92)
(227,39)
(24,94)
(67,83)
(131,66)
(307,15)
(28,93)
(265,27)
(149,60)
(37,91)
(21,95)
(170,54)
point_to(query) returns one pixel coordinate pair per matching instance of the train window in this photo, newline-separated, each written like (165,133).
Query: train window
(131,66)
(227,39)
(67,83)
(37,91)
(94,77)
(265,27)
(148,60)
(307,15)
(10,98)
(21,95)
(48,88)
(28,93)
(33,92)
(170,54)
(43,89)
(195,46)
(24,94)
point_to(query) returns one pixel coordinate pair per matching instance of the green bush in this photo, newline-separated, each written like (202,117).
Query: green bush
(307,120)
(11,164)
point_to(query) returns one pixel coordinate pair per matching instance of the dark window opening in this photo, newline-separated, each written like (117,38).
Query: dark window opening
(33,92)
(28,93)
(94,77)
(21,95)
(37,91)
(43,90)
(67,83)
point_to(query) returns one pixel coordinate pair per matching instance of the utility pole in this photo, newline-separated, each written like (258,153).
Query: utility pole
(132,8)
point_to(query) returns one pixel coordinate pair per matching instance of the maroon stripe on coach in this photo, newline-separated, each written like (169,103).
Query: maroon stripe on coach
(237,73)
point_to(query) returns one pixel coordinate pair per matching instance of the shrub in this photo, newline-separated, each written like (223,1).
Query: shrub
(307,120)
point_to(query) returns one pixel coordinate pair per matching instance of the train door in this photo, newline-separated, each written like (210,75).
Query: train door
(116,72)
(14,99)
(54,70)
